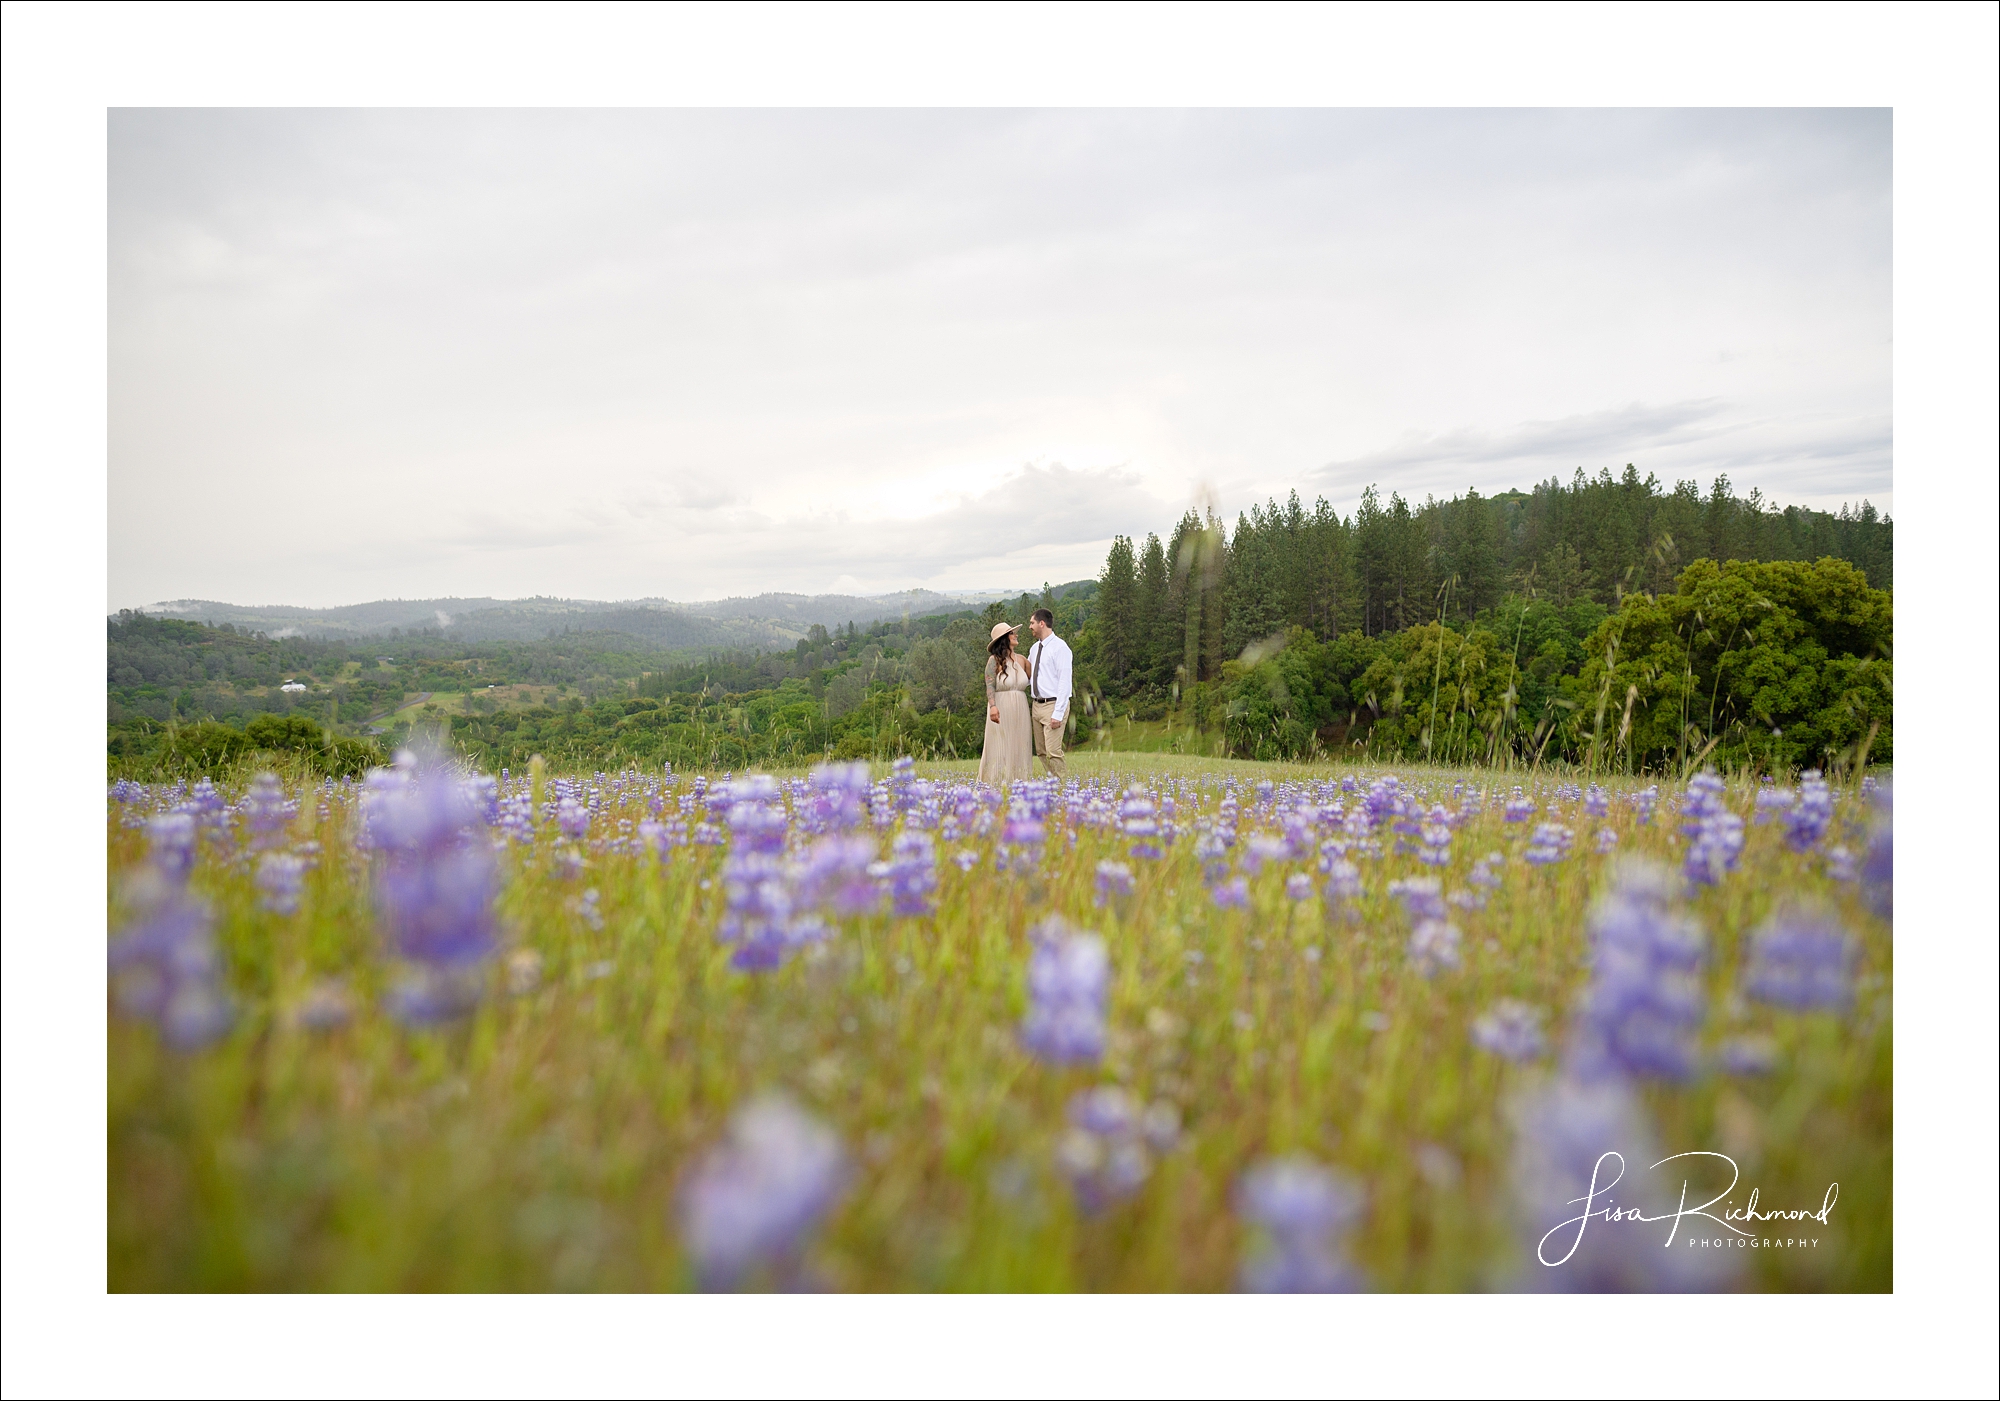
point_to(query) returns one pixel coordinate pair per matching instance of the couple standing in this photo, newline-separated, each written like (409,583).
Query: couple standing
(1027,702)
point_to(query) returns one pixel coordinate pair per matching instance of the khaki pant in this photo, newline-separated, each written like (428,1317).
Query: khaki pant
(1048,742)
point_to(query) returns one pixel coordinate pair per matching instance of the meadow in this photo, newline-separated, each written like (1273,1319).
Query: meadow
(1177,1023)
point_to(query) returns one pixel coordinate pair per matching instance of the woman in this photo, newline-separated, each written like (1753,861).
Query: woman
(1009,750)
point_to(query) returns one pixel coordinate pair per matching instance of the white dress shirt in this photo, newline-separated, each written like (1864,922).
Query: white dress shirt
(1049,664)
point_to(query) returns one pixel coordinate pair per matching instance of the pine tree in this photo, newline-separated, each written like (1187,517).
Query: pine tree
(1474,560)
(1153,652)
(1720,525)
(1117,612)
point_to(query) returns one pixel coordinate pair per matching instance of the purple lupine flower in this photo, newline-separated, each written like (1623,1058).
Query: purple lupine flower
(485,796)
(1704,798)
(279,879)
(517,819)
(1511,1030)
(1485,871)
(1299,887)
(965,859)
(1643,1007)
(1231,894)
(902,782)
(125,792)
(1069,977)
(1519,808)
(1114,882)
(662,837)
(756,815)
(1384,801)
(754,1200)
(170,841)
(1225,820)
(1717,845)
(1596,802)
(1807,822)
(1578,1140)
(1022,839)
(912,873)
(265,811)
(1436,832)
(1138,819)
(1261,848)
(1772,803)
(1717,832)
(841,797)
(1607,840)
(758,911)
(1434,940)
(1210,850)
(1422,896)
(1038,794)
(1433,946)
(573,818)
(205,805)
(1841,865)
(1549,844)
(435,884)
(1103,1155)
(1343,877)
(165,968)
(836,876)
(1643,802)
(1303,1212)
(1802,960)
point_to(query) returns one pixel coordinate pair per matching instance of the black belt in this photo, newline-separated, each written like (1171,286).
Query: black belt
(1043,700)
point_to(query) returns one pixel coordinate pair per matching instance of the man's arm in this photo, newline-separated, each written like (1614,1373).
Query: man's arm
(1061,696)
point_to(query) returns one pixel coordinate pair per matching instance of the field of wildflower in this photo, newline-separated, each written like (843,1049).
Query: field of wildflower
(1171,1023)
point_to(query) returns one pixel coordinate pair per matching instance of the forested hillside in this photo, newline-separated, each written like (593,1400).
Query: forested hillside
(1177,609)
(1493,627)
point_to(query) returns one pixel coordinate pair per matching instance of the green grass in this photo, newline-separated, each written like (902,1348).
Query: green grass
(538,1144)
(1120,734)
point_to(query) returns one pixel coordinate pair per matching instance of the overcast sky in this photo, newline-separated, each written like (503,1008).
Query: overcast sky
(358,355)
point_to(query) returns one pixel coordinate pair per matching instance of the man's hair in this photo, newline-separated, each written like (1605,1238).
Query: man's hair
(1042,615)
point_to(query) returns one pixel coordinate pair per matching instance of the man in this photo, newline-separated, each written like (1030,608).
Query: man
(1048,690)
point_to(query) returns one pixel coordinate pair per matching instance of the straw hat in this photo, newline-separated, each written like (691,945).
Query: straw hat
(999,628)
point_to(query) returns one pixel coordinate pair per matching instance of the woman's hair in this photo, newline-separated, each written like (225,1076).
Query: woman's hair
(1002,651)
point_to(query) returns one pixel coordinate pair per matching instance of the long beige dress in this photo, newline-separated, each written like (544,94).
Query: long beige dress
(1009,750)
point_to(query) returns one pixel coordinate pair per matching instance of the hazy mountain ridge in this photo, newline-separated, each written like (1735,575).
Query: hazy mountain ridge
(771,619)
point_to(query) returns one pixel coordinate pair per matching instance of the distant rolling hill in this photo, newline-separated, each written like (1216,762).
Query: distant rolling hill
(768,620)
